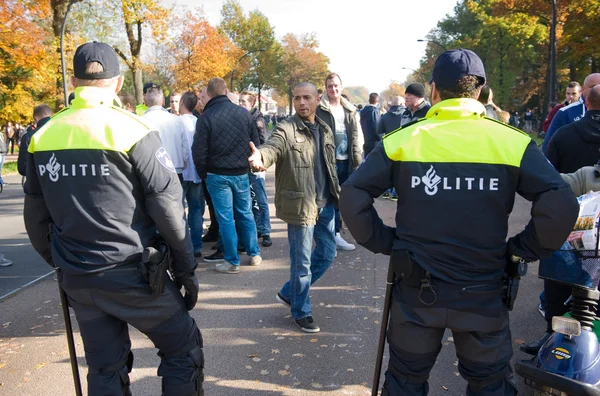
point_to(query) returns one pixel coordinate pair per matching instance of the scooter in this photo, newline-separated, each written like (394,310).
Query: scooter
(569,362)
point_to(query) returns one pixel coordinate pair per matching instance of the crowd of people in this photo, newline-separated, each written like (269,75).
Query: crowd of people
(331,161)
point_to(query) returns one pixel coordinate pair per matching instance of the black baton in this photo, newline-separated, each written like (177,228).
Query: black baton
(383,331)
(70,340)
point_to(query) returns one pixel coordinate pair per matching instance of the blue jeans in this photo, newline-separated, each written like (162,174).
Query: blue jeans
(1,165)
(307,268)
(231,200)
(194,195)
(262,218)
(342,174)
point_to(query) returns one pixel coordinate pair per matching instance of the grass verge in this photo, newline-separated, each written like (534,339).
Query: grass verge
(9,168)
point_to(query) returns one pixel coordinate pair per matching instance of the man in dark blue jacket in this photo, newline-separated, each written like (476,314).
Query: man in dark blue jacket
(392,120)
(41,115)
(221,149)
(573,112)
(369,118)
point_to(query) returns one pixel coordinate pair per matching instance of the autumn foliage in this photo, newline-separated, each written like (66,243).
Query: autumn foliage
(513,39)
(27,67)
(201,52)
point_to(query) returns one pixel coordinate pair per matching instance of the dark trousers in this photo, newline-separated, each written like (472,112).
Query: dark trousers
(11,141)
(480,327)
(105,303)
(214,223)
(342,173)
(555,295)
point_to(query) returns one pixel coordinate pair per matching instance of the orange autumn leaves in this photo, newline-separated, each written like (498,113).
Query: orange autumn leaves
(201,52)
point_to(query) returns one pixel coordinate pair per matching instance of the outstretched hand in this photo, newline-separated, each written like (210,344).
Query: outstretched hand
(255,159)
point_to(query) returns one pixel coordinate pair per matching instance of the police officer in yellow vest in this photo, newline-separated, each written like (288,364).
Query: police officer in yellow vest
(141,108)
(100,180)
(456,173)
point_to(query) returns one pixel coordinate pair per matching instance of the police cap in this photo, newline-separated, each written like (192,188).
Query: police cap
(454,64)
(96,52)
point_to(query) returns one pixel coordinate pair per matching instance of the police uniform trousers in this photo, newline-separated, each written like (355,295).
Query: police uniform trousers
(105,302)
(479,323)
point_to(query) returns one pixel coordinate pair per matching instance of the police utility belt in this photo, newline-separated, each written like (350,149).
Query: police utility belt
(409,272)
(155,266)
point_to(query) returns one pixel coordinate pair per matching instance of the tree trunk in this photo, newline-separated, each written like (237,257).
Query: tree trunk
(59,10)
(138,85)
(594,66)
(548,83)
(290,95)
(572,72)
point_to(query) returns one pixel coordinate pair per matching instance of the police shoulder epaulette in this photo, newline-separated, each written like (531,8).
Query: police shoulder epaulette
(403,127)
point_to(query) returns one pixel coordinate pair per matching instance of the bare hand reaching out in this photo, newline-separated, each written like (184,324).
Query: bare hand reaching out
(255,159)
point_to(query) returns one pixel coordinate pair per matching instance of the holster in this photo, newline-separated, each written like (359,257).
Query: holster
(512,276)
(406,269)
(155,265)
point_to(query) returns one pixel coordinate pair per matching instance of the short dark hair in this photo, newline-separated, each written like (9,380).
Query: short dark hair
(465,87)
(331,76)
(373,97)
(189,100)
(216,87)
(574,84)
(127,99)
(484,95)
(42,111)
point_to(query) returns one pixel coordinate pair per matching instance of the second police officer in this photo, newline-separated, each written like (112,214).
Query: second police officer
(456,174)
(99,178)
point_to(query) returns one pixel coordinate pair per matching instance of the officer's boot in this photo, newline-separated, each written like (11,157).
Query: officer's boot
(174,382)
(534,347)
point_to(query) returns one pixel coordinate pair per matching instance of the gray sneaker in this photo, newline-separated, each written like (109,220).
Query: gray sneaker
(226,268)
(255,260)
(5,262)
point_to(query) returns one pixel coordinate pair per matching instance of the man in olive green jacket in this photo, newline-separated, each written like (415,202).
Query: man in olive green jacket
(306,191)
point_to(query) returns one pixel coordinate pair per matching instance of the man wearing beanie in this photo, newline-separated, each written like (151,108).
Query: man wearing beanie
(416,104)
(456,173)
(100,189)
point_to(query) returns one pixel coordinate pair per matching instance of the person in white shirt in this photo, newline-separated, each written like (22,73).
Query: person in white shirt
(192,184)
(170,128)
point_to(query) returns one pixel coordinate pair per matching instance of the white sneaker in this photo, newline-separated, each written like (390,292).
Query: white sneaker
(255,260)
(341,244)
(5,262)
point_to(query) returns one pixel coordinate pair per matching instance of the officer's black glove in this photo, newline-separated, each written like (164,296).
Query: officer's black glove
(189,281)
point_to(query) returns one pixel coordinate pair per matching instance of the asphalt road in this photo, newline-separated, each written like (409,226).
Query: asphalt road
(252,347)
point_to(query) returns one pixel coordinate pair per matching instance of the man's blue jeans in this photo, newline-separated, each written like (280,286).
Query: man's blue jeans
(307,268)
(342,173)
(262,218)
(231,200)
(194,196)
(1,165)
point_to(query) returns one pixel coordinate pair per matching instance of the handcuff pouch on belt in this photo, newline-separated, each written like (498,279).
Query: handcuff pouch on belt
(409,272)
